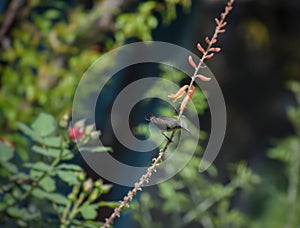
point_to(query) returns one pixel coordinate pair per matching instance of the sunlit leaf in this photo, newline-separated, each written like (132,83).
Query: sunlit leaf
(88,211)
(6,152)
(41,166)
(48,184)
(29,132)
(69,167)
(68,176)
(10,167)
(53,141)
(44,125)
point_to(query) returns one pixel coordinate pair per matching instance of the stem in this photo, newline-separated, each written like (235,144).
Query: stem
(74,209)
(138,185)
(10,16)
(156,161)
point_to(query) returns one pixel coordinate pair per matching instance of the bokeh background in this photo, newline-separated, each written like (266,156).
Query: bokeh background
(46,46)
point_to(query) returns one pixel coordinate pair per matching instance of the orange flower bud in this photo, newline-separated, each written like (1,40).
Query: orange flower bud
(179,93)
(191,91)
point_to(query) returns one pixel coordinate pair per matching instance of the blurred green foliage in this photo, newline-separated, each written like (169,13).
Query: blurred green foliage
(49,188)
(282,201)
(43,57)
(45,54)
(55,43)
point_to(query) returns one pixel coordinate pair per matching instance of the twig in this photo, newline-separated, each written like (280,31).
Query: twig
(11,13)
(206,54)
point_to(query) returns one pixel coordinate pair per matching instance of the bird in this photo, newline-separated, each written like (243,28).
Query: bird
(167,124)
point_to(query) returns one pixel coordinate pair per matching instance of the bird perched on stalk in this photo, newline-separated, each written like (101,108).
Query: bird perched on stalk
(165,123)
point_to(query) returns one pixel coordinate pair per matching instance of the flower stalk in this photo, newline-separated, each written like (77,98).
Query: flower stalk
(207,53)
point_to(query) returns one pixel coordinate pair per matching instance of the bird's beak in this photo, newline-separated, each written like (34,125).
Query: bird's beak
(148,117)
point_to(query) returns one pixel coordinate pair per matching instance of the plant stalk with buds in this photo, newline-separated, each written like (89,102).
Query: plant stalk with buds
(207,53)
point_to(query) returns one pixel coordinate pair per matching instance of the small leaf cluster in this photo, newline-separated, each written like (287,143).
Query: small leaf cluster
(139,24)
(49,188)
(51,45)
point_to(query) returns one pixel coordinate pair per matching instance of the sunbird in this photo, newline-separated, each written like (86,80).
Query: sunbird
(166,123)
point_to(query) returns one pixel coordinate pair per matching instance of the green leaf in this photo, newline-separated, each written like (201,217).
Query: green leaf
(67,154)
(16,212)
(3,206)
(68,177)
(42,151)
(51,152)
(69,167)
(55,197)
(88,211)
(22,213)
(146,7)
(41,166)
(53,141)
(35,174)
(29,132)
(6,153)
(44,125)
(19,176)
(10,167)
(52,14)
(48,184)
(96,149)
(39,193)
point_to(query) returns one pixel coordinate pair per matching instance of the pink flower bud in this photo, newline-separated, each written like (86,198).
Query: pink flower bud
(192,63)
(76,133)
(207,40)
(209,56)
(203,78)
(215,49)
(200,48)
(223,24)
